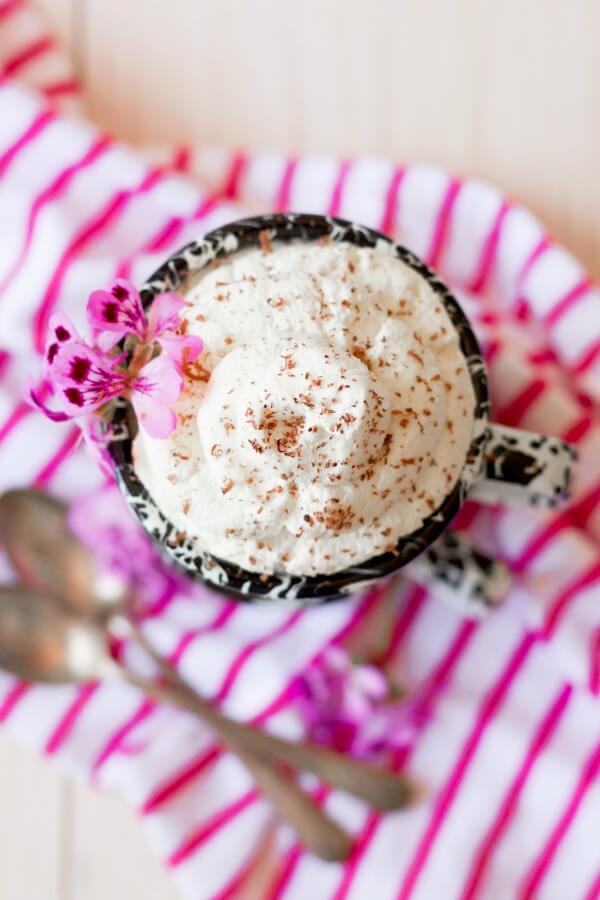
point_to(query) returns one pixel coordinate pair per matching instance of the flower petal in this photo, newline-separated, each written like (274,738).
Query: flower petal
(60,331)
(118,310)
(157,386)
(84,378)
(156,418)
(160,379)
(52,414)
(370,681)
(163,314)
(176,346)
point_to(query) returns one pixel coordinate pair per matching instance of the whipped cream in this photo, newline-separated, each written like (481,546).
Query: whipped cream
(329,415)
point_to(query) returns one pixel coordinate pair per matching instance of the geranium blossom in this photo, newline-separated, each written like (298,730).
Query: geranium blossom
(84,378)
(353,709)
(101,521)
(118,311)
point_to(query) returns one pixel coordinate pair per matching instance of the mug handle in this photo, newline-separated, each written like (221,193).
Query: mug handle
(524,467)
(461,575)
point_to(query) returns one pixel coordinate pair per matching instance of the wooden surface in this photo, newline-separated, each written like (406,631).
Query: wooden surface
(508,91)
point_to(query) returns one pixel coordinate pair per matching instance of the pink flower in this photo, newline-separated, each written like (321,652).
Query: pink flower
(85,379)
(115,313)
(118,312)
(102,522)
(351,708)
(157,385)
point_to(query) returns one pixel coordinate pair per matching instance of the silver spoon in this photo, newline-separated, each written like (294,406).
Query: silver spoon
(44,644)
(34,530)
(27,517)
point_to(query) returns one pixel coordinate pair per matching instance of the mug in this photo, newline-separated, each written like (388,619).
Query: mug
(502,465)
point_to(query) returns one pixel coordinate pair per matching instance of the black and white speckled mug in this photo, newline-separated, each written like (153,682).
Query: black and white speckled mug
(502,464)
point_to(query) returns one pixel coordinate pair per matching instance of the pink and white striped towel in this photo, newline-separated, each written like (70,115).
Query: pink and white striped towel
(510,757)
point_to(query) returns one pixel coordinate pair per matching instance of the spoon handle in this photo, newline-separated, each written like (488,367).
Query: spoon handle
(316,830)
(379,788)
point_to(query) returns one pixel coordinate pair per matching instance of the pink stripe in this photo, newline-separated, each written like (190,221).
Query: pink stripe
(541,540)
(195,767)
(50,193)
(67,722)
(509,805)
(522,310)
(282,198)
(390,209)
(442,222)
(466,515)
(573,516)
(114,743)
(19,412)
(541,357)
(25,56)
(403,623)
(488,253)
(442,675)
(535,876)
(281,702)
(588,359)
(438,681)
(248,651)
(335,202)
(119,201)
(513,412)
(165,600)
(9,7)
(286,872)
(197,764)
(167,234)
(539,249)
(208,756)
(576,432)
(364,607)
(358,853)
(232,889)
(565,303)
(585,507)
(55,462)
(567,596)
(595,662)
(440,678)
(12,699)
(449,791)
(188,637)
(492,350)
(4,362)
(182,159)
(194,841)
(594,891)
(59,88)
(231,186)
(22,410)
(36,128)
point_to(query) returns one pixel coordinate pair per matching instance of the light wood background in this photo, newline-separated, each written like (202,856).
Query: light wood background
(508,91)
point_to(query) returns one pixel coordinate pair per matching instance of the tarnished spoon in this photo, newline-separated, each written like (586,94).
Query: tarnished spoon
(379,788)
(42,550)
(42,643)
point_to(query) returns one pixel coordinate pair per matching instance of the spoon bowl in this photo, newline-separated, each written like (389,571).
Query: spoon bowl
(42,644)
(35,534)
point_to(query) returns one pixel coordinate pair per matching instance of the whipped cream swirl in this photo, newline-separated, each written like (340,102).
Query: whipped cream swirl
(331,413)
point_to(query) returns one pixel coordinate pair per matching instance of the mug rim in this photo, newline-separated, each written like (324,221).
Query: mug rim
(230,577)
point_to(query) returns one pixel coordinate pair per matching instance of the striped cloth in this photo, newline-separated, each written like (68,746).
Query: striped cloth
(510,756)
